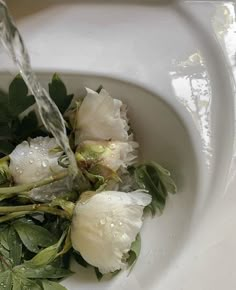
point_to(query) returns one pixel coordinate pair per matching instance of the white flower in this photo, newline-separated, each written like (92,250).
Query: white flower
(105,225)
(100,117)
(113,154)
(34,160)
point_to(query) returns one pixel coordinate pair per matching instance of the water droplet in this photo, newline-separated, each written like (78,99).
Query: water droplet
(23,268)
(45,163)
(109,198)
(20,172)
(123,236)
(30,152)
(36,147)
(31,161)
(4,286)
(112,225)
(120,223)
(102,221)
(112,146)
(17,168)
(1,283)
(112,155)
(22,153)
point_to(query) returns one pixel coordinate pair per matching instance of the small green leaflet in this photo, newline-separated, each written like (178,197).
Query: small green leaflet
(58,93)
(15,246)
(41,272)
(19,100)
(6,280)
(134,251)
(154,178)
(6,147)
(79,259)
(49,285)
(33,236)
(20,283)
(47,255)
(99,275)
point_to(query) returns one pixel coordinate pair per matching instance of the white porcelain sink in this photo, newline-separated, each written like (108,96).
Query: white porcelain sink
(165,61)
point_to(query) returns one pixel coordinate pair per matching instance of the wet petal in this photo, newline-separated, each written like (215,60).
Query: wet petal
(104,227)
(101,117)
(34,160)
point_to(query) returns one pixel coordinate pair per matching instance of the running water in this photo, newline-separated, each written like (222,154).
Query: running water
(49,112)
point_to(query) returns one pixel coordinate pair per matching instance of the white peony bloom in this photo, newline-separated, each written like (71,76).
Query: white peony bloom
(113,154)
(34,160)
(105,225)
(100,117)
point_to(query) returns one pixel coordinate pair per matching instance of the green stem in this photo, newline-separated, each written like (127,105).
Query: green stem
(33,208)
(29,186)
(5,158)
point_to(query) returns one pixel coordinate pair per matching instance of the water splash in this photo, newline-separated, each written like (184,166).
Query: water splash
(49,112)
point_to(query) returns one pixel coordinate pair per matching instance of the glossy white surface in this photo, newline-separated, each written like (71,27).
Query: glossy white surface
(183,54)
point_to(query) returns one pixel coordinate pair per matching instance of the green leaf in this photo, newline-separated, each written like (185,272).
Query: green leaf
(20,282)
(5,131)
(99,275)
(15,246)
(79,259)
(49,285)
(4,108)
(47,255)
(19,100)
(6,147)
(157,180)
(33,236)
(134,251)
(5,177)
(58,93)
(42,272)
(26,127)
(98,90)
(6,280)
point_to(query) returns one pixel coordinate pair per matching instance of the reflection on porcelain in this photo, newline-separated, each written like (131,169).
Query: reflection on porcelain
(224,25)
(191,84)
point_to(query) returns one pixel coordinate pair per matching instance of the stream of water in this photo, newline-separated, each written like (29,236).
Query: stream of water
(49,112)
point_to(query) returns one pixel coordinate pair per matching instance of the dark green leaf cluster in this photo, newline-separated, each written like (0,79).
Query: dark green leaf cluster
(13,127)
(157,181)
(30,254)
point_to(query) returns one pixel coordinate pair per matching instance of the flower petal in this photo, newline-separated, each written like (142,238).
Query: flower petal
(34,160)
(101,117)
(104,227)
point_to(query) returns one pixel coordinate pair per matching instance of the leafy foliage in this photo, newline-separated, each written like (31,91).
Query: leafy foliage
(58,93)
(134,251)
(19,266)
(157,181)
(13,127)
(33,236)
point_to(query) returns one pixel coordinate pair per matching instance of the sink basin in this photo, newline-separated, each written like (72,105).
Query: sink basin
(165,62)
